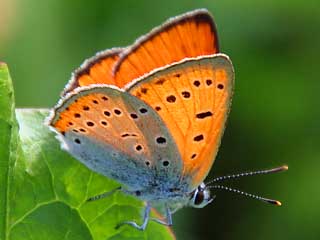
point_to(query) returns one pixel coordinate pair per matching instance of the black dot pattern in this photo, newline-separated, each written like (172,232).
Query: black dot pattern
(144,90)
(133,116)
(196,83)
(129,135)
(220,86)
(117,112)
(171,99)
(90,124)
(203,115)
(139,148)
(161,140)
(168,102)
(143,110)
(198,138)
(165,163)
(186,94)
(209,82)
(107,113)
(160,81)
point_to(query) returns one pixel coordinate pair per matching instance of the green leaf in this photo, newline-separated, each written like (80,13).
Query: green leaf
(44,189)
(8,145)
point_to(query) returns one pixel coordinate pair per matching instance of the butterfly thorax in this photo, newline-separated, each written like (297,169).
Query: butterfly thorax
(173,199)
(163,190)
(176,198)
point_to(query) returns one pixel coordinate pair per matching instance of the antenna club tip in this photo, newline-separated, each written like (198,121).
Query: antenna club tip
(278,203)
(273,202)
(285,167)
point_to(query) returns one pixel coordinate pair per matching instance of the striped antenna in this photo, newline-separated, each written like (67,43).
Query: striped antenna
(260,172)
(267,200)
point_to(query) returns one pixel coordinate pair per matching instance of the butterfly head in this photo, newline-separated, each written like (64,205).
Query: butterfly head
(200,197)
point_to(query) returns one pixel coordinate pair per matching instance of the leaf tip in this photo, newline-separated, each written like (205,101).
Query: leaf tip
(3,67)
(3,64)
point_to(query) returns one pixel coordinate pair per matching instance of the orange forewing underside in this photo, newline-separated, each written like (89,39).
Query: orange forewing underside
(193,99)
(97,70)
(190,35)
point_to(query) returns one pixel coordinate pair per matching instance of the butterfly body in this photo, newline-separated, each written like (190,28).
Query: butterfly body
(152,119)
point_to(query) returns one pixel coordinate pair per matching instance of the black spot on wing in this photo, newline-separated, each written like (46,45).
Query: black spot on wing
(198,138)
(203,115)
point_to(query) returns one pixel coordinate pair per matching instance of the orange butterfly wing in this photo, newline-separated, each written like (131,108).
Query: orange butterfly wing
(107,129)
(194,114)
(95,70)
(193,98)
(189,35)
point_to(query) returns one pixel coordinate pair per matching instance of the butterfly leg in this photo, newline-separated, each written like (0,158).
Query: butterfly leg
(168,221)
(103,195)
(134,224)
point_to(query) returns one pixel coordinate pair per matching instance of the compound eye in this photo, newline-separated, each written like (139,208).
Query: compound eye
(198,200)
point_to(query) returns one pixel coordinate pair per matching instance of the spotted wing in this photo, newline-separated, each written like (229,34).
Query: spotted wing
(189,35)
(117,135)
(193,98)
(95,70)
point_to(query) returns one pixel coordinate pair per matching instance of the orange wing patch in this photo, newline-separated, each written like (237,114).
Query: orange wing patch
(96,70)
(189,35)
(193,98)
(101,117)
(115,133)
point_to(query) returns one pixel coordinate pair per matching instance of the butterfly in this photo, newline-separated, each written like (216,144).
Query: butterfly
(151,116)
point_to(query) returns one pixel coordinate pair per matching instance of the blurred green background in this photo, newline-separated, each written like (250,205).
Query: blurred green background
(275,48)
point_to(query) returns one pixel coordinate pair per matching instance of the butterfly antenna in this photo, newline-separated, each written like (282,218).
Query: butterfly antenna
(267,200)
(233,176)
(103,195)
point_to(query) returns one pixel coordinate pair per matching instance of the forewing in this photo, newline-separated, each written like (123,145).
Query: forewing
(193,98)
(189,35)
(95,70)
(117,135)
